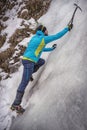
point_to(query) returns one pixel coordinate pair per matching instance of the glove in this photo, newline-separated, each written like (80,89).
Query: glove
(54,46)
(70,26)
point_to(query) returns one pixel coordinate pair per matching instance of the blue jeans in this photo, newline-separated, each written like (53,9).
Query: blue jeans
(29,68)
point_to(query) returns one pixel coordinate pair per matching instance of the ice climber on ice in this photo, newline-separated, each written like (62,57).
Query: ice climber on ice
(31,59)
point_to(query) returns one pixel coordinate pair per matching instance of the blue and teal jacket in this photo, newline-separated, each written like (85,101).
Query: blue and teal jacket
(37,44)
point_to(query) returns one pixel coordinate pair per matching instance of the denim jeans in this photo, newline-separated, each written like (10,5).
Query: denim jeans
(29,68)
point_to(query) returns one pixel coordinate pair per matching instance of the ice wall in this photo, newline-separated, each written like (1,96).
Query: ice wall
(59,101)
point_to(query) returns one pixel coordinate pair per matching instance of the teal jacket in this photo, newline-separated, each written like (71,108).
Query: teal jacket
(37,44)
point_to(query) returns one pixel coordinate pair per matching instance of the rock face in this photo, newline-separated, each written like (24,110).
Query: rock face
(2,40)
(5,5)
(34,8)
(31,9)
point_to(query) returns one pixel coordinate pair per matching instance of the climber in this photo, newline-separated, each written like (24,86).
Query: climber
(31,59)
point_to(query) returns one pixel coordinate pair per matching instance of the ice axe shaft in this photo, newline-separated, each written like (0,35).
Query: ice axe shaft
(77,7)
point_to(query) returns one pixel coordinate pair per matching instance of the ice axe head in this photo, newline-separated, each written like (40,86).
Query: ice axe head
(77,6)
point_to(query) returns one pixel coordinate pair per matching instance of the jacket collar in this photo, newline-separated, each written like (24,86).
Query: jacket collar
(40,33)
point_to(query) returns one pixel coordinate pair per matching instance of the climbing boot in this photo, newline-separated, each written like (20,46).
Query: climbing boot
(18,108)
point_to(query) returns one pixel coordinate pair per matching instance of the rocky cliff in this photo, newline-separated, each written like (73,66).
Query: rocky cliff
(10,11)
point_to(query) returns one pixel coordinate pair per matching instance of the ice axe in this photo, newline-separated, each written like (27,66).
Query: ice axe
(72,18)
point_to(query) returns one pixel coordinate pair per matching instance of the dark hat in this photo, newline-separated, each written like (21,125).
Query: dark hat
(41,28)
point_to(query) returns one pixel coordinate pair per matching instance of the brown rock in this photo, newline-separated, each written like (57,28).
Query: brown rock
(24,14)
(2,27)
(5,67)
(6,54)
(2,40)
(5,19)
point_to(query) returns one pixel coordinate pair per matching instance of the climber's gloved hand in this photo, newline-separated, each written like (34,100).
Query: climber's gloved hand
(54,46)
(70,26)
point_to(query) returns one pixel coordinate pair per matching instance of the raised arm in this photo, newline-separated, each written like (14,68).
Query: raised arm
(56,36)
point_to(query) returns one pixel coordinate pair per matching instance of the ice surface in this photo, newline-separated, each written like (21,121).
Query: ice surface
(59,99)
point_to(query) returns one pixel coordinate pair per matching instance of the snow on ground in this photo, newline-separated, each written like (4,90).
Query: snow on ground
(59,99)
(25,41)
(12,24)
